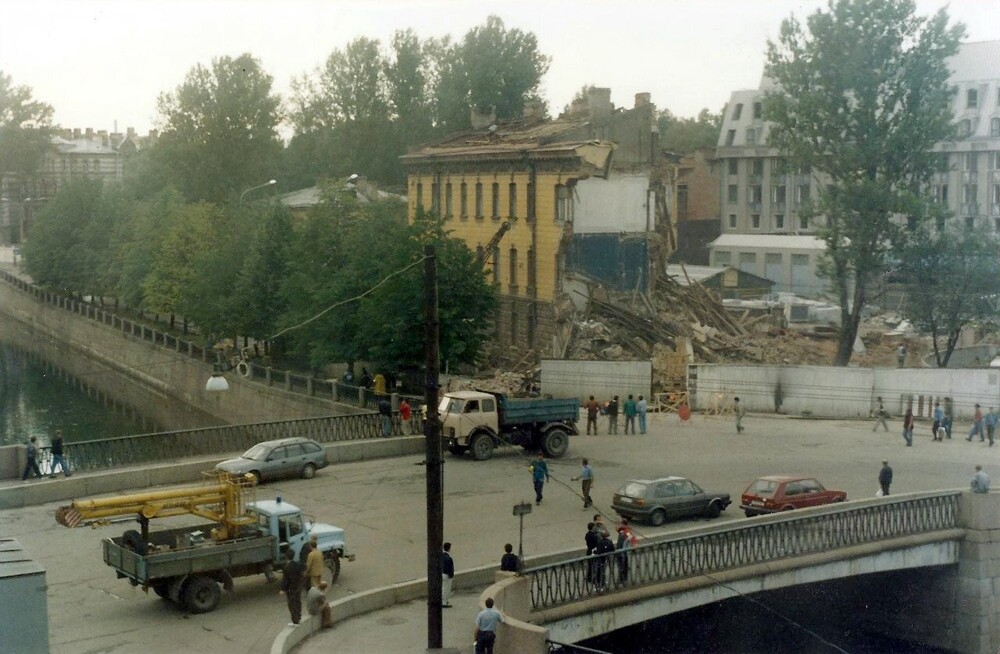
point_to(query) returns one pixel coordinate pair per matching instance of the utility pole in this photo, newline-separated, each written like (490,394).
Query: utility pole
(434,461)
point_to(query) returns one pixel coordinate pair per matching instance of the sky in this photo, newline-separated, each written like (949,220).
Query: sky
(102,63)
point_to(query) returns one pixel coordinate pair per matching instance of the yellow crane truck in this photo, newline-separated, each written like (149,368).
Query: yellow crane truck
(187,565)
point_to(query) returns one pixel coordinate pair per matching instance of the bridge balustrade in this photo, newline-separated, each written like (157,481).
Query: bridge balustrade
(756,541)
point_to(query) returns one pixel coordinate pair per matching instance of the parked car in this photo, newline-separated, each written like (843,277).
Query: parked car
(286,457)
(655,500)
(786,492)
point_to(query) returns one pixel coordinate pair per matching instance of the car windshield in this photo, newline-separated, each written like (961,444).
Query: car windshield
(765,487)
(258,452)
(633,489)
(451,405)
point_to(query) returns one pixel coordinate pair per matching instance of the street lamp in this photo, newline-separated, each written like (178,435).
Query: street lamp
(270,182)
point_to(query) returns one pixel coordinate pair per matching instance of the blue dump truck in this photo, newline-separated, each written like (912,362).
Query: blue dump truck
(478,422)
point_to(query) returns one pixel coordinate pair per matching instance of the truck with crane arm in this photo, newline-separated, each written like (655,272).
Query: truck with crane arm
(187,565)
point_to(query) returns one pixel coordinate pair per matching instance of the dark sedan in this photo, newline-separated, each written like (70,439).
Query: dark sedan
(656,500)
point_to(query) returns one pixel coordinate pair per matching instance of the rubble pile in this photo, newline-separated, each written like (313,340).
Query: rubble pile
(516,384)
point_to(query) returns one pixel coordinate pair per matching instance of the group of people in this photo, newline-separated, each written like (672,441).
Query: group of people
(984,425)
(305,574)
(600,546)
(633,410)
(55,450)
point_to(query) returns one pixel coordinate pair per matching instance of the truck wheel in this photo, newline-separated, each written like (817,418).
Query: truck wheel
(332,564)
(162,589)
(481,446)
(556,443)
(308,471)
(201,595)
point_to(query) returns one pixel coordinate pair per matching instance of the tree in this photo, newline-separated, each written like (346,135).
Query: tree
(219,131)
(25,128)
(951,279)
(861,98)
(684,135)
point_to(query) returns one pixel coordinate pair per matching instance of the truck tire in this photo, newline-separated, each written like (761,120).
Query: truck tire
(481,447)
(132,540)
(332,564)
(555,443)
(162,589)
(201,595)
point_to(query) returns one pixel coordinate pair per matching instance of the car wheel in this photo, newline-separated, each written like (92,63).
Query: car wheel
(658,517)
(787,508)
(838,500)
(714,509)
(308,471)
(749,514)
(481,446)
(256,477)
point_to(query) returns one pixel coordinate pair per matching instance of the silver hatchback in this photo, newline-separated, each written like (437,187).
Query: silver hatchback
(287,457)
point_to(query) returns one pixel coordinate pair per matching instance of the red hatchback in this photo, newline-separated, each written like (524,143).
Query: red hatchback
(786,492)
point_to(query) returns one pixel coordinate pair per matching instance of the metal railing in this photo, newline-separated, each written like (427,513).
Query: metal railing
(172,445)
(748,543)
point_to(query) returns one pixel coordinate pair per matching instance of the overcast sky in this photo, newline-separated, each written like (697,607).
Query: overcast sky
(102,61)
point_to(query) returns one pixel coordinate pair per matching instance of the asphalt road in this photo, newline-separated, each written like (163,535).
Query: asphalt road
(381,505)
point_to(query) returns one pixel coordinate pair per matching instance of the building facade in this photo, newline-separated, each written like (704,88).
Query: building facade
(760,195)
(694,205)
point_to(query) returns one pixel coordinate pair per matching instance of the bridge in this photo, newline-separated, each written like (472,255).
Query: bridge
(950,532)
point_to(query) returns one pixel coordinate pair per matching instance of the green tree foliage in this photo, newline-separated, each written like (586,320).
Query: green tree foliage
(187,237)
(951,278)
(25,128)
(70,245)
(219,131)
(862,96)
(257,300)
(684,135)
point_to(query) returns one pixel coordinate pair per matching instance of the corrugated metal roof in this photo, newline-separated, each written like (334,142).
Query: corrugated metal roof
(769,241)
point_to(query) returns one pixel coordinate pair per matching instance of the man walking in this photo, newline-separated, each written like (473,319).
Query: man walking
(740,412)
(486,628)
(908,426)
(291,586)
(980,481)
(32,463)
(885,478)
(991,424)
(937,428)
(593,408)
(977,426)
(641,408)
(447,575)
(539,475)
(880,415)
(57,455)
(613,416)
(586,481)
(630,413)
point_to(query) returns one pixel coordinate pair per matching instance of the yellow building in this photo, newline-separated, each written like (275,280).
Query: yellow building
(536,200)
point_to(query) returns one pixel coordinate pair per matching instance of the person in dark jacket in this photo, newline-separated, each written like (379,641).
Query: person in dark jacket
(291,586)
(591,538)
(603,551)
(385,411)
(447,575)
(885,478)
(32,464)
(508,562)
(613,416)
(57,455)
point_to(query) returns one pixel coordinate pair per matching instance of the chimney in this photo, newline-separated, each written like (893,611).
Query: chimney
(67,133)
(76,133)
(116,140)
(90,133)
(599,104)
(482,120)
(641,99)
(130,133)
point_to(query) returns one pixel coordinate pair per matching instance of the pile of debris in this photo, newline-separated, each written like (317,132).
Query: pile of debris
(515,384)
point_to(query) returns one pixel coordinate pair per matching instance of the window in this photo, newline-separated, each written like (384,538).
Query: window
(463,199)
(751,136)
(737,111)
(513,268)
(758,110)
(496,267)
(512,200)
(682,202)
(944,164)
(803,222)
(479,200)
(971,99)
(755,194)
(495,200)
(666,490)
(531,269)
(964,128)
(722,259)
(748,261)
(447,199)
(758,167)
(435,198)
(969,193)
(755,221)
(732,221)
(564,203)
(941,193)
(531,201)
(995,127)
(489,406)
(733,166)
(972,162)
(970,222)
(420,196)
(996,194)
(779,221)
(780,166)
(994,160)
(778,194)
(733,194)
(801,193)
(730,136)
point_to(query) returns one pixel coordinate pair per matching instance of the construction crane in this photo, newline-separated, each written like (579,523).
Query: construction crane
(494,242)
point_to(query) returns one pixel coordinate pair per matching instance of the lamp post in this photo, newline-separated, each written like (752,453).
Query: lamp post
(270,182)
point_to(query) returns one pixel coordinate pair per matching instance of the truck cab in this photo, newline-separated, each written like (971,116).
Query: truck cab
(293,530)
(466,412)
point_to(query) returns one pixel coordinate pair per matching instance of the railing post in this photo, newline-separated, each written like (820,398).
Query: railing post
(288,380)
(335,390)
(309,384)
(267,376)
(361,396)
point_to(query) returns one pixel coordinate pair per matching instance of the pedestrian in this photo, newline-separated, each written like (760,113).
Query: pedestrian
(613,415)
(32,463)
(885,478)
(378,383)
(603,551)
(908,426)
(486,628)
(980,481)
(57,455)
(316,604)
(591,539)
(630,413)
(740,412)
(948,417)
(880,415)
(385,411)
(642,408)
(586,479)
(447,575)
(314,564)
(348,378)
(991,424)
(291,586)
(366,379)
(626,541)
(599,524)
(508,562)
(593,408)
(405,413)
(937,429)
(977,425)
(901,354)
(539,475)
